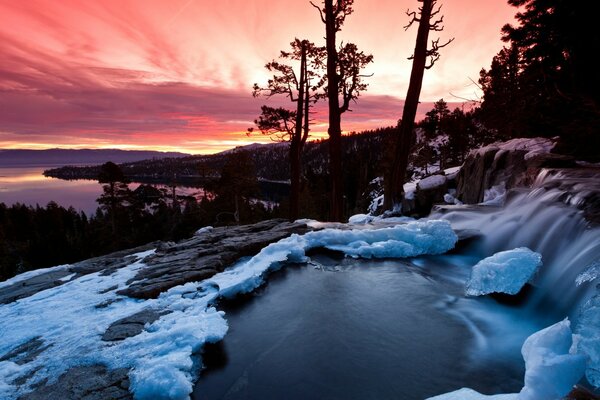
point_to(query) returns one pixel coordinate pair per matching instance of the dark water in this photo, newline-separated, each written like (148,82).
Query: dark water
(356,329)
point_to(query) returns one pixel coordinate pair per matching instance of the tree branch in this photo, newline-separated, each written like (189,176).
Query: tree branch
(320,11)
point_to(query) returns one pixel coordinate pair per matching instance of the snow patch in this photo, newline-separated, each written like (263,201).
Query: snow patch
(470,394)
(532,146)
(431,182)
(504,272)
(203,230)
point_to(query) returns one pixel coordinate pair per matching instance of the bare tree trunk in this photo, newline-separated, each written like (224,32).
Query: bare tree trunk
(394,190)
(296,142)
(335,120)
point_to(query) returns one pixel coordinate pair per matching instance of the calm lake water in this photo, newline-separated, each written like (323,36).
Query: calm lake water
(28,185)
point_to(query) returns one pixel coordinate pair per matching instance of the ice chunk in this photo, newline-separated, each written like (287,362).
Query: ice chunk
(470,394)
(590,274)
(504,272)
(588,338)
(550,369)
(408,240)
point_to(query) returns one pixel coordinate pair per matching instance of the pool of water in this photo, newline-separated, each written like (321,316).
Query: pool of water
(364,329)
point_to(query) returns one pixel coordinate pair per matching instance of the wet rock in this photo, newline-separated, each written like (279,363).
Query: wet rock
(130,326)
(94,382)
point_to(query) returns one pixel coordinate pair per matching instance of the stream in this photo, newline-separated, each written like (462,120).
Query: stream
(345,328)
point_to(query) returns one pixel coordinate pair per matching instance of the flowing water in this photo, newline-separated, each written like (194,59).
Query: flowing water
(360,329)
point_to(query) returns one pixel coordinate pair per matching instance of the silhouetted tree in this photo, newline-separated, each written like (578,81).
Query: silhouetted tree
(557,42)
(116,194)
(423,58)
(292,125)
(236,187)
(343,79)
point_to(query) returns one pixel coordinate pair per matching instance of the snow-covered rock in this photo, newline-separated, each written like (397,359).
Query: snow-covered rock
(531,147)
(431,182)
(504,272)
(551,369)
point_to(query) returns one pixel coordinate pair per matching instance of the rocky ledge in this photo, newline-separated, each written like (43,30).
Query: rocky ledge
(200,257)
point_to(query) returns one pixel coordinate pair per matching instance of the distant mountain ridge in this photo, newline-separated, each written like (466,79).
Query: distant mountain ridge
(19,157)
(271,161)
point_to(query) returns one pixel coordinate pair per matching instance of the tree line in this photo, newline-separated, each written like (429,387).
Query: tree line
(542,84)
(39,237)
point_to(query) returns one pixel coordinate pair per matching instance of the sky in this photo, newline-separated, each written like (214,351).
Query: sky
(177,75)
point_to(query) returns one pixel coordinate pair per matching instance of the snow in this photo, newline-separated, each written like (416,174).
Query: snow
(532,146)
(203,230)
(495,195)
(450,199)
(504,272)
(77,313)
(470,394)
(551,369)
(588,338)
(431,182)
(409,190)
(451,173)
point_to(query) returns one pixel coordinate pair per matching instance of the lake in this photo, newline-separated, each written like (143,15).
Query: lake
(27,185)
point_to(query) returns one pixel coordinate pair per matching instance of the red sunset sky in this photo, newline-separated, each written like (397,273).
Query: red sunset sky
(177,74)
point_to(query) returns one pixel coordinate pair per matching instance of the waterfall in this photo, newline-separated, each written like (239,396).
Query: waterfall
(549,218)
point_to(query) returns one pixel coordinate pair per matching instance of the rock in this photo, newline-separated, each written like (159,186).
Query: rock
(202,256)
(31,286)
(94,382)
(130,326)
(108,264)
(509,164)
(26,352)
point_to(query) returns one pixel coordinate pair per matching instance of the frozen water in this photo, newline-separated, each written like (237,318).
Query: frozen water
(588,338)
(551,369)
(504,272)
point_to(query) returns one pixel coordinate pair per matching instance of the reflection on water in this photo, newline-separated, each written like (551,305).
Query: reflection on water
(28,185)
